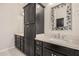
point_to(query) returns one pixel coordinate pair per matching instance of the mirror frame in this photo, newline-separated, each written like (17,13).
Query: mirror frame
(68,16)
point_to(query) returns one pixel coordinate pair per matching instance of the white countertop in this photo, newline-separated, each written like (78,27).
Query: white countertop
(46,38)
(21,34)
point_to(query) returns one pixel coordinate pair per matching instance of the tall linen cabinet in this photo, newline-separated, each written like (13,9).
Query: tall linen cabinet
(29,28)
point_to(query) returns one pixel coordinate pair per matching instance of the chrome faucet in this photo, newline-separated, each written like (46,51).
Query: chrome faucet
(58,36)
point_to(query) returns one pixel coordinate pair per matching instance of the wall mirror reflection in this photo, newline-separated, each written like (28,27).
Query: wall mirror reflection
(61,16)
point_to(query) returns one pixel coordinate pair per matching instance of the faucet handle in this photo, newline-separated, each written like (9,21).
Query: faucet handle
(58,36)
(63,36)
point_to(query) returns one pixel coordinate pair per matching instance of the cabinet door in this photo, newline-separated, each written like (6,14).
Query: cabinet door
(32,13)
(57,54)
(26,31)
(38,50)
(32,31)
(27,46)
(18,42)
(26,14)
(29,33)
(27,39)
(32,47)
(32,36)
(39,19)
(22,44)
(47,52)
(29,13)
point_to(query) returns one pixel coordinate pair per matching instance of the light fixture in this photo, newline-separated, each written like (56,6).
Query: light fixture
(50,3)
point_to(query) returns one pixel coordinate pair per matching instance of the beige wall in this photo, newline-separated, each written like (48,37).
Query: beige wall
(11,22)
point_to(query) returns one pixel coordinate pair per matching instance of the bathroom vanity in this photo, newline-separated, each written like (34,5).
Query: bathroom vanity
(46,47)
(19,42)
(33,43)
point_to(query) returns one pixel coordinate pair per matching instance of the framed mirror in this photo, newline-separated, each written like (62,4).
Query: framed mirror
(61,17)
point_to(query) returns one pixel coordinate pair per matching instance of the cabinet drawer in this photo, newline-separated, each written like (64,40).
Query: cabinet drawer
(38,50)
(37,55)
(56,54)
(61,49)
(18,37)
(47,52)
(76,52)
(22,45)
(18,44)
(39,43)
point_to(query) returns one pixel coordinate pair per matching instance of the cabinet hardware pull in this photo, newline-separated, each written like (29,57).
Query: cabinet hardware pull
(52,54)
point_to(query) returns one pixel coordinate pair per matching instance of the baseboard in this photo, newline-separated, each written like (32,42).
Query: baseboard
(3,50)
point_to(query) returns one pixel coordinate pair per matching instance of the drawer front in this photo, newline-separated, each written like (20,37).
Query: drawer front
(57,54)
(76,52)
(18,37)
(60,49)
(22,45)
(38,50)
(17,41)
(18,44)
(37,55)
(39,43)
(47,52)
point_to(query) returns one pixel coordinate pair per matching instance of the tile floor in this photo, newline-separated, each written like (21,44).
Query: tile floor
(12,52)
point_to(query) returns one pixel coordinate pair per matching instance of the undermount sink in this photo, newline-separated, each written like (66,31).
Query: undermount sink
(52,39)
(57,40)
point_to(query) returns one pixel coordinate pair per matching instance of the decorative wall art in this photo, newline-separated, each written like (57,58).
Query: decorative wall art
(62,11)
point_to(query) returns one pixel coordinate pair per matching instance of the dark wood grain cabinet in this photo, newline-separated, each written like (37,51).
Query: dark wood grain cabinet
(29,13)
(31,22)
(47,52)
(19,42)
(39,19)
(29,28)
(49,49)
(60,49)
(38,48)
(22,43)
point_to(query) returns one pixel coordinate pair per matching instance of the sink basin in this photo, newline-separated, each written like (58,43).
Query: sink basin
(58,41)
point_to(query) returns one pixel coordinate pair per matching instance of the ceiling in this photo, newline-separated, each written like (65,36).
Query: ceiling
(45,4)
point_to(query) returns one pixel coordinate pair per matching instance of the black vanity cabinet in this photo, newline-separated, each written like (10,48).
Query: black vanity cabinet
(38,48)
(49,49)
(22,43)
(44,49)
(60,50)
(19,42)
(48,52)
